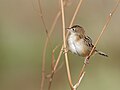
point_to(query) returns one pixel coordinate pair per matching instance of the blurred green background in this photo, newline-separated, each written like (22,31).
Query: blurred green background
(22,37)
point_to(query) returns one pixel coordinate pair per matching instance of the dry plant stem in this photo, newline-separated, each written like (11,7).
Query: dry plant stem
(79,81)
(46,42)
(43,62)
(104,28)
(64,45)
(53,58)
(76,11)
(59,56)
(47,39)
(41,15)
(53,62)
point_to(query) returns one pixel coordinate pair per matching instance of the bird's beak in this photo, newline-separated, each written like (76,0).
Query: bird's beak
(68,29)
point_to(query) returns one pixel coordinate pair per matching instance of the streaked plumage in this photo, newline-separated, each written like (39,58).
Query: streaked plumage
(79,43)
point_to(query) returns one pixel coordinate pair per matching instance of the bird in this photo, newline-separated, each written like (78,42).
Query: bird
(81,44)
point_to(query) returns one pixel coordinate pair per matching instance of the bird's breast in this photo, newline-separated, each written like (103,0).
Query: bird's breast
(76,45)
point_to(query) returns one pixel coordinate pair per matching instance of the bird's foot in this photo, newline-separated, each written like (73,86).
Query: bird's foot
(86,61)
(65,50)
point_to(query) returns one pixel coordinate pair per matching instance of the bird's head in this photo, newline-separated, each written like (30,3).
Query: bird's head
(77,30)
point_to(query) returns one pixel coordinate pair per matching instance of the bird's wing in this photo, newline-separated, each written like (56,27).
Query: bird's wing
(88,42)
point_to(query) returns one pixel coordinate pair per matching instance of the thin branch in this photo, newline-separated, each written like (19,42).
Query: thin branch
(104,28)
(64,45)
(76,11)
(43,61)
(53,57)
(81,75)
(47,39)
(41,15)
(48,76)
(79,81)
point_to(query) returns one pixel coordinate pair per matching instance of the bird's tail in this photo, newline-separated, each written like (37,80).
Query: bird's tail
(101,53)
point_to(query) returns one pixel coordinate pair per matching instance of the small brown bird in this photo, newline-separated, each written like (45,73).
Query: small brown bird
(80,44)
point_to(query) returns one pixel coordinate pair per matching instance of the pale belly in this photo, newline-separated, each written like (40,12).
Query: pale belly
(78,48)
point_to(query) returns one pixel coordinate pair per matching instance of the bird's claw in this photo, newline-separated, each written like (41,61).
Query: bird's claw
(86,61)
(64,51)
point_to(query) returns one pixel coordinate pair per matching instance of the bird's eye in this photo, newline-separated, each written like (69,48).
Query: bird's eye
(73,29)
